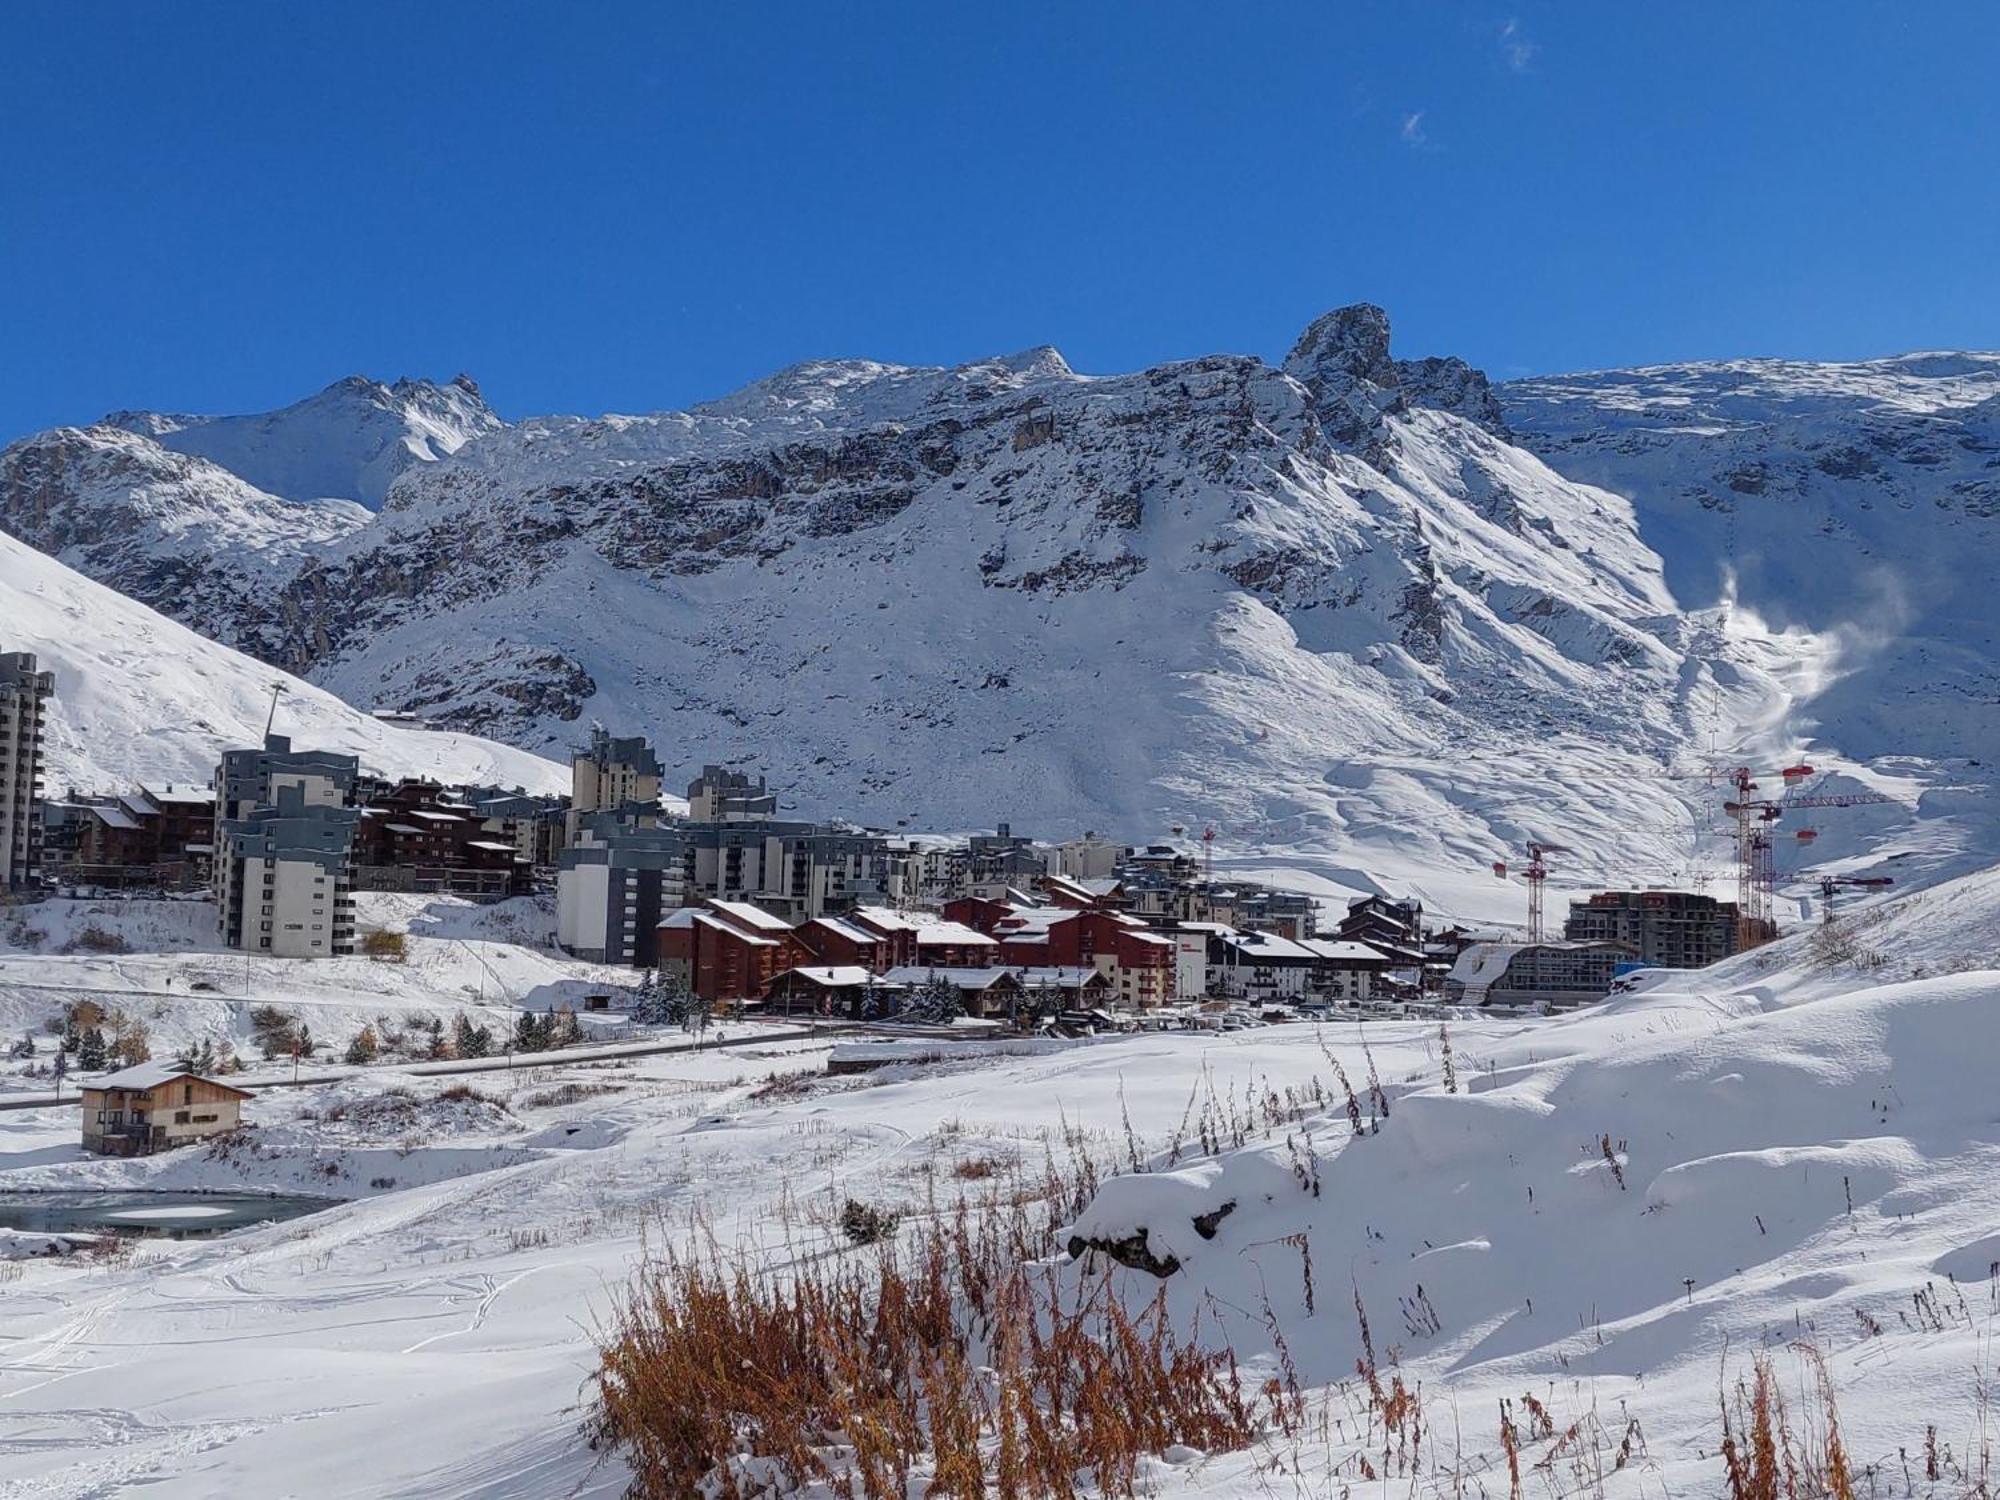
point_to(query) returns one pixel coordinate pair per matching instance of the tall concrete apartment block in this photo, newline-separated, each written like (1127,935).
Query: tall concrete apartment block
(284,878)
(250,779)
(284,841)
(720,795)
(612,887)
(611,774)
(24,695)
(1669,929)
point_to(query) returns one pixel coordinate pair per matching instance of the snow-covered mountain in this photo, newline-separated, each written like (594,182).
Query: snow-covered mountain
(1333,606)
(173,531)
(1859,501)
(141,697)
(349,442)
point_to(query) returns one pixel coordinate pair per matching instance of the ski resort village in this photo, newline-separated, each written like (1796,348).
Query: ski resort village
(787,893)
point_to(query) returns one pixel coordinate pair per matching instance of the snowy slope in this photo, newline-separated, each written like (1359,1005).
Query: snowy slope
(139,696)
(1805,1152)
(1859,501)
(348,442)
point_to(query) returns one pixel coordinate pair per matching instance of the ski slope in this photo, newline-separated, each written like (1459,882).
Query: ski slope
(141,698)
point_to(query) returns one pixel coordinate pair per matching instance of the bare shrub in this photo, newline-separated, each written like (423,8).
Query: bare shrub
(94,939)
(953,1355)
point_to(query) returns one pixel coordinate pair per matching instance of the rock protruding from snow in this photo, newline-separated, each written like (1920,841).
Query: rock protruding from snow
(1342,359)
(349,442)
(1448,383)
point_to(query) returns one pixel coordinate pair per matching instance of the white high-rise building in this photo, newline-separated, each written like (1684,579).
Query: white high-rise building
(24,695)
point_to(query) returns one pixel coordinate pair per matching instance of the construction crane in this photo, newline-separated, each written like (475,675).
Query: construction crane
(1831,885)
(1756,873)
(1535,872)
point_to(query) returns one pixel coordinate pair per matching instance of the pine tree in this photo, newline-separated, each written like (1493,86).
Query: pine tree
(90,1051)
(306,1042)
(528,1033)
(676,1001)
(646,1000)
(938,1001)
(563,1030)
(462,1036)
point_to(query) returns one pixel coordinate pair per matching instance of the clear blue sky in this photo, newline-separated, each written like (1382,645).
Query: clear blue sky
(596,206)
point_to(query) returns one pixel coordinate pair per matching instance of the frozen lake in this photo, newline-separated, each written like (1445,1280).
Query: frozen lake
(177,1215)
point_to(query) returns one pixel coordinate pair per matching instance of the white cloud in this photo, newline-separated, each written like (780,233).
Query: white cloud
(1515,46)
(1413,129)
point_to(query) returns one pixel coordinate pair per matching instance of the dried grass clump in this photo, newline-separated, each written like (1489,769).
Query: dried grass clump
(946,1353)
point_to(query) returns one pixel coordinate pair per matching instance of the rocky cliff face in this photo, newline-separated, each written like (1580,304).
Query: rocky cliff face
(1328,604)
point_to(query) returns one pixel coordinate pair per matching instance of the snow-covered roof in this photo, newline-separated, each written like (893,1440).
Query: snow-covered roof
(833,976)
(887,918)
(716,924)
(114,817)
(745,915)
(1482,964)
(164,792)
(937,934)
(150,1075)
(677,919)
(1263,945)
(402,828)
(845,929)
(1035,921)
(965,979)
(1058,976)
(1340,951)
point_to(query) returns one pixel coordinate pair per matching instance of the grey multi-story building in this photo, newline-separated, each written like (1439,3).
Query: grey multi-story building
(617,774)
(251,779)
(614,884)
(720,795)
(1541,976)
(284,877)
(24,695)
(1669,929)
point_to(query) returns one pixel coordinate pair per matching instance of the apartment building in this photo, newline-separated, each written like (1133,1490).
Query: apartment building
(415,837)
(24,696)
(720,795)
(251,779)
(613,774)
(284,879)
(614,885)
(1670,929)
(1552,976)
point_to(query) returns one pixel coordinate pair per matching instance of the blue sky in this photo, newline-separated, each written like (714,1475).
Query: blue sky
(598,207)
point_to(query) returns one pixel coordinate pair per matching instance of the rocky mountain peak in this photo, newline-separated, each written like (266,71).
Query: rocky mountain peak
(1347,344)
(1342,359)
